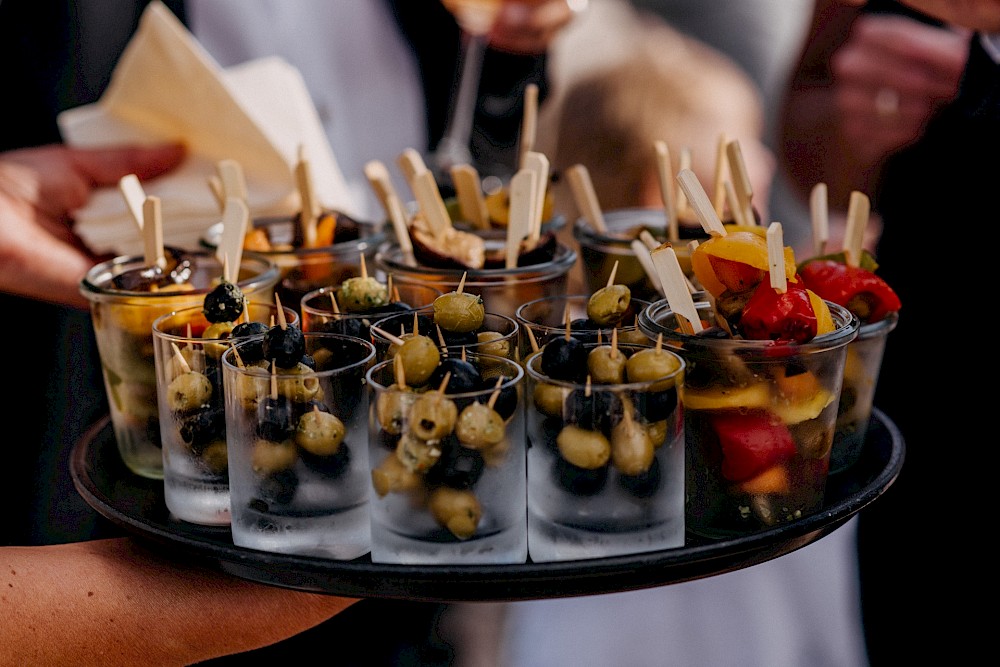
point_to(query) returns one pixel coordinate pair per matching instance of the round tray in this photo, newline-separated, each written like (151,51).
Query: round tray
(136,504)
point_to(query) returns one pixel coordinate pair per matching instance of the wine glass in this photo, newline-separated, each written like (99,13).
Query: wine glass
(475,19)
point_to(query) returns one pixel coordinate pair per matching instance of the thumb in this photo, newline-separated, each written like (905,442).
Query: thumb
(106,166)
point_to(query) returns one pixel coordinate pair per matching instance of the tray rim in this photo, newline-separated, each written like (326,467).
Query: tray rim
(449,583)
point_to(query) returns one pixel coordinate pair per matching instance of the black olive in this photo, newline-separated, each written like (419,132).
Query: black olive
(284,345)
(581,481)
(225,303)
(459,467)
(247,329)
(347,326)
(464,378)
(332,466)
(276,419)
(655,406)
(506,402)
(644,484)
(202,427)
(565,359)
(598,411)
(459,339)
(279,487)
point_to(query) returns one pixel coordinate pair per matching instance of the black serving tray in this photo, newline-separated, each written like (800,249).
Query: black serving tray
(136,504)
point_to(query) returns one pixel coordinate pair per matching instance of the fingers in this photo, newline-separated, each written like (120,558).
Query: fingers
(106,166)
(529,26)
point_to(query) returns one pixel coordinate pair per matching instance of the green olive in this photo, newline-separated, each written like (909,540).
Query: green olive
(361,294)
(215,456)
(651,364)
(657,433)
(583,448)
(432,416)
(632,449)
(606,365)
(294,384)
(415,454)
(608,305)
(493,342)
(479,426)
(391,407)
(217,331)
(549,398)
(319,433)
(457,510)
(420,356)
(632,336)
(459,312)
(269,457)
(188,391)
(392,476)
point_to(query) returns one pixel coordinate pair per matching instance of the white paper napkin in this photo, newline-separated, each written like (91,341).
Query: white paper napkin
(166,87)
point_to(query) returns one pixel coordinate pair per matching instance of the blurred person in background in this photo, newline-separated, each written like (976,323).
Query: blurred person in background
(913,115)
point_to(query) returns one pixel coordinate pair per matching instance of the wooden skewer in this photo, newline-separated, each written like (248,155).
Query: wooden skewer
(741,181)
(538,165)
(215,185)
(152,232)
(585,197)
(134,196)
(819,214)
(469,191)
(234,183)
(690,185)
(496,392)
(181,361)
(611,277)
(668,190)
(776,257)
(721,167)
(282,322)
(522,201)
(858,211)
(675,287)
(529,121)
(642,254)
(235,221)
(310,211)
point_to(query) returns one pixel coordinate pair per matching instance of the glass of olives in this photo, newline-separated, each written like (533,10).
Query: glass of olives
(297,434)
(759,418)
(126,295)
(501,289)
(318,312)
(303,269)
(447,452)
(187,349)
(606,449)
(547,319)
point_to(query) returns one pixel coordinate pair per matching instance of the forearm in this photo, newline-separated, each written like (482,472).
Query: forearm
(113,602)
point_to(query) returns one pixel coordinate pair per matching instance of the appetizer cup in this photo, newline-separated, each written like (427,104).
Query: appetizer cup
(304,269)
(502,289)
(861,371)
(599,251)
(448,469)
(318,314)
(546,319)
(123,313)
(298,451)
(759,420)
(188,352)
(605,459)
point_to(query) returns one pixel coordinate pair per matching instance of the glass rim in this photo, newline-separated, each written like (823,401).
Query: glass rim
(380,367)
(325,289)
(158,322)
(254,371)
(538,376)
(573,297)
(389,258)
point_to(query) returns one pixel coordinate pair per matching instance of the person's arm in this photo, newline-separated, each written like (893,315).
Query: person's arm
(40,256)
(115,602)
(865,87)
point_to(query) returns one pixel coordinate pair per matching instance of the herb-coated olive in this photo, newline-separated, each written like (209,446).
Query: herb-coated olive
(416,454)
(609,304)
(319,433)
(225,303)
(189,391)
(432,416)
(298,384)
(458,510)
(362,294)
(268,456)
(459,311)
(391,408)
(392,476)
(284,345)
(479,426)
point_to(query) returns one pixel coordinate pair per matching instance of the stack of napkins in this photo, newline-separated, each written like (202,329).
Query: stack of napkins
(166,87)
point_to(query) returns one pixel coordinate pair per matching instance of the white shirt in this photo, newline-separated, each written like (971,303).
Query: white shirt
(358,68)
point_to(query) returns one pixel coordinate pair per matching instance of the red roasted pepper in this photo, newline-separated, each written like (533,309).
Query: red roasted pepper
(751,442)
(859,290)
(779,316)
